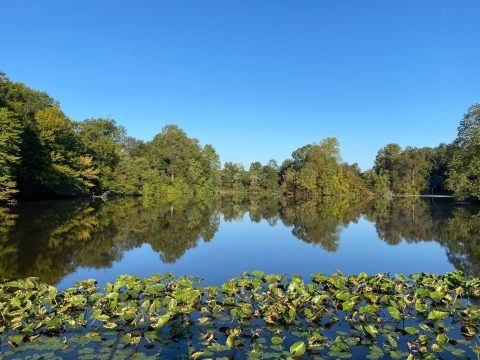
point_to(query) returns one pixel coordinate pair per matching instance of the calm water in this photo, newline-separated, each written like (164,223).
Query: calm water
(218,238)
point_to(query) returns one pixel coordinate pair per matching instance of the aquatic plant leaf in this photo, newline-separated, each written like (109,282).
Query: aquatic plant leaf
(17,339)
(420,306)
(423,292)
(348,305)
(230,342)
(368,309)
(136,317)
(437,295)
(437,315)
(338,272)
(375,353)
(258,274)
(392,341)
(394,313)
(340,354)
(343,296)
(298,348)
(276,340)
(371,329)
(442,339)
(172,303)
(162,320)
(411,330)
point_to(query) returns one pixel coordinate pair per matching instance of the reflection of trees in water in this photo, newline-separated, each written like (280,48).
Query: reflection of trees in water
(259,208)
(414,220)
(321,220)
(53,239)
(172,232)
(409,219)
(7,250)
(462,241)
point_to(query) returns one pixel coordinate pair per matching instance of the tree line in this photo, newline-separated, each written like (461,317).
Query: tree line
(45,154)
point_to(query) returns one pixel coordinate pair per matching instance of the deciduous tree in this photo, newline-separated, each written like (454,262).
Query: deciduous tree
(464,163)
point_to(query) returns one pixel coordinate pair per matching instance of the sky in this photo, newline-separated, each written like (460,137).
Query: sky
(255,79)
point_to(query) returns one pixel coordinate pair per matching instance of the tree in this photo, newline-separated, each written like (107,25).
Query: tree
(438,159)
(270,178)
(66,170)
(325,158)
(386,162)
(356,169)
(413,171)
(287,175)
(300,156)
(378,184)
(171,151)
(22,100)
(211,168)
(103,139)
(464,164)
(133,148)
(10,138)
(255,176)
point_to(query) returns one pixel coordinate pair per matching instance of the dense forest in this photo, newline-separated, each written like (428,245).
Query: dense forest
(45,154)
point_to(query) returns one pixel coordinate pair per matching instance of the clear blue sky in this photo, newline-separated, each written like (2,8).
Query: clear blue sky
(256,79)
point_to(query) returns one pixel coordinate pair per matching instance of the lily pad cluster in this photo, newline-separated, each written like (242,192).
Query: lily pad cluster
(253,316)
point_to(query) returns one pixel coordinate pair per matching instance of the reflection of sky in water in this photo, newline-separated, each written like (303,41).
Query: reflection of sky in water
(246,246)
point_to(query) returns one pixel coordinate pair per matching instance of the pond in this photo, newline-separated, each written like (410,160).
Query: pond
(217,238)
(348,313)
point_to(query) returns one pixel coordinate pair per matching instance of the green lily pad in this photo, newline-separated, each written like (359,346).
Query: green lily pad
(411,330)
(437,315)
(298,348)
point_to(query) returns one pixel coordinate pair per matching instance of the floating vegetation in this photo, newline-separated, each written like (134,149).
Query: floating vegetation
(252,316)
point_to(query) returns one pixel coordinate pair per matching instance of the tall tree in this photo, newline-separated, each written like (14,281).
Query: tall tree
(102,139)
(464,163)
(10,138)
(270,178)
(413,170)
(65,170)
(171,151)
(386,162)
(438,158)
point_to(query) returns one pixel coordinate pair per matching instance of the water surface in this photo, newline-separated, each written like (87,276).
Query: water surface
(62,242)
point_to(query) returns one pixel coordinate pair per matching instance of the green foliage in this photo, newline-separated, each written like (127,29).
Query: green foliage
(233,177)
(253,315)
(45,154)
(318,169)
(102,139)
(181,163)
(65,169)
(408,171)
(439,157)
(10,138)
(378,184)
(464,163)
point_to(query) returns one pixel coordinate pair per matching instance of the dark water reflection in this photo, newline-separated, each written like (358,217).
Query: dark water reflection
(53,240)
